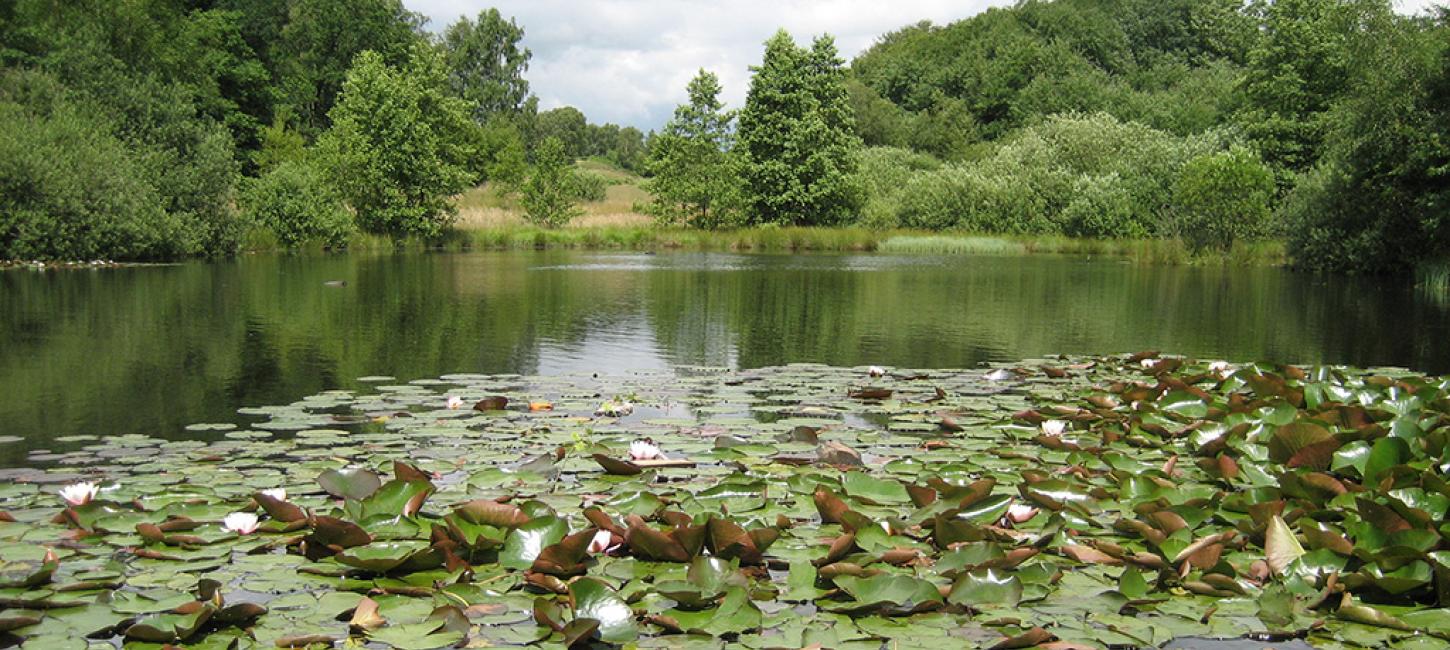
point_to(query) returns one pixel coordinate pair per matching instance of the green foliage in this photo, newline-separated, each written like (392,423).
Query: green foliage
(588,187)
(549,198)
(1221,198)
(1378,200)
(1300,67)
(506,160)
(70,190)
(173,169)
(693,175)
(622,146)
(486,65)
(320,41)
(400,145)
(1078,175)
(988,75)
(882,172)
(567,125)
(277,144)
(797,137)
(294,203)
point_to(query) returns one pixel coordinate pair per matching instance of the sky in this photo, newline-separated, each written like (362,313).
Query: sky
(627,61)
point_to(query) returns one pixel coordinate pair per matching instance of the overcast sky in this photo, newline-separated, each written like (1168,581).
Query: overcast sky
(627,61)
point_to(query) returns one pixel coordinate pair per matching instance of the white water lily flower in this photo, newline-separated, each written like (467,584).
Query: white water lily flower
(1053,427)
(876,371)
(276,493)
(1148,364)
(1218,366)
(79,494)
(455,402)
(1020,513)
(241,523)
(645,449)
(600,543)
(615,408)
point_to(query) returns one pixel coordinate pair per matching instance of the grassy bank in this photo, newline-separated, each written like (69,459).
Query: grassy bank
(492,220)
(646,237)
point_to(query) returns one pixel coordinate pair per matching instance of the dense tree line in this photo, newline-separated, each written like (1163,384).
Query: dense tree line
(1339,103)
(166,128)
(1322,122)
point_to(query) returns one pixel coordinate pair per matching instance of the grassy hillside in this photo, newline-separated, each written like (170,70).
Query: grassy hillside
(486,207)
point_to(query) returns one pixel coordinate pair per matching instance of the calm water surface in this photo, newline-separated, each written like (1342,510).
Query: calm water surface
(152,349)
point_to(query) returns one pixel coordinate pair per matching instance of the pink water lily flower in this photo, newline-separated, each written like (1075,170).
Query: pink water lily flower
(79,494)
(601,542)
(455,402)
(279,494)
(645,449)
(1053,428)
(241,523)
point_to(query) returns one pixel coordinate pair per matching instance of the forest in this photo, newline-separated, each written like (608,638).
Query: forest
(163,129)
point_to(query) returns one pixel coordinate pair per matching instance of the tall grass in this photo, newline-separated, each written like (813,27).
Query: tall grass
(520,236)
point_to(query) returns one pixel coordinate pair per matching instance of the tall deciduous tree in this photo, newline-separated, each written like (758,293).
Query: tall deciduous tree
(797,137)
(320,40)
(693,180)
(486,63)
(568,125)
(400,145)
(1301,67)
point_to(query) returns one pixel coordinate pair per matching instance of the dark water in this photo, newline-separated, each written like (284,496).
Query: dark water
(149,350)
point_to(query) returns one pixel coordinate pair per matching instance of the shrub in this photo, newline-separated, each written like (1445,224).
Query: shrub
(295,204)
(589,187)
(1102,206)
(1222,197)
(882,172)
(1078,175)
(70,190)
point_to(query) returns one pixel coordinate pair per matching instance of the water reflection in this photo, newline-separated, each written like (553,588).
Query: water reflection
(152,349)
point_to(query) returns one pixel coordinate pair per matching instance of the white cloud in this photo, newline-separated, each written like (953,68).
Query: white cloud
(627,61)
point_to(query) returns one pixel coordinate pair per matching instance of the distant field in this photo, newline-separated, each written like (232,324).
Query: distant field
(484,208)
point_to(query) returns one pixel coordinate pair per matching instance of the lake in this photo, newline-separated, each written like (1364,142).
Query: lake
(153,349)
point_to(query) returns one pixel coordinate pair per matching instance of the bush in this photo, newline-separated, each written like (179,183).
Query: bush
(589,187)
(1222,197)
(1103,207)
(882,172)
(70,190)
(969,198)
(1077,175)
(295,204)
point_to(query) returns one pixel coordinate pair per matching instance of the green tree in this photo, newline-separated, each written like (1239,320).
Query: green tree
(1379,198)
(1300,68)
(295,203)
(567,125)
(506,159)
(693,180)
(549,195)
(400,145)
(486,64)
(320,41)
(1223,197)
(797,137)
